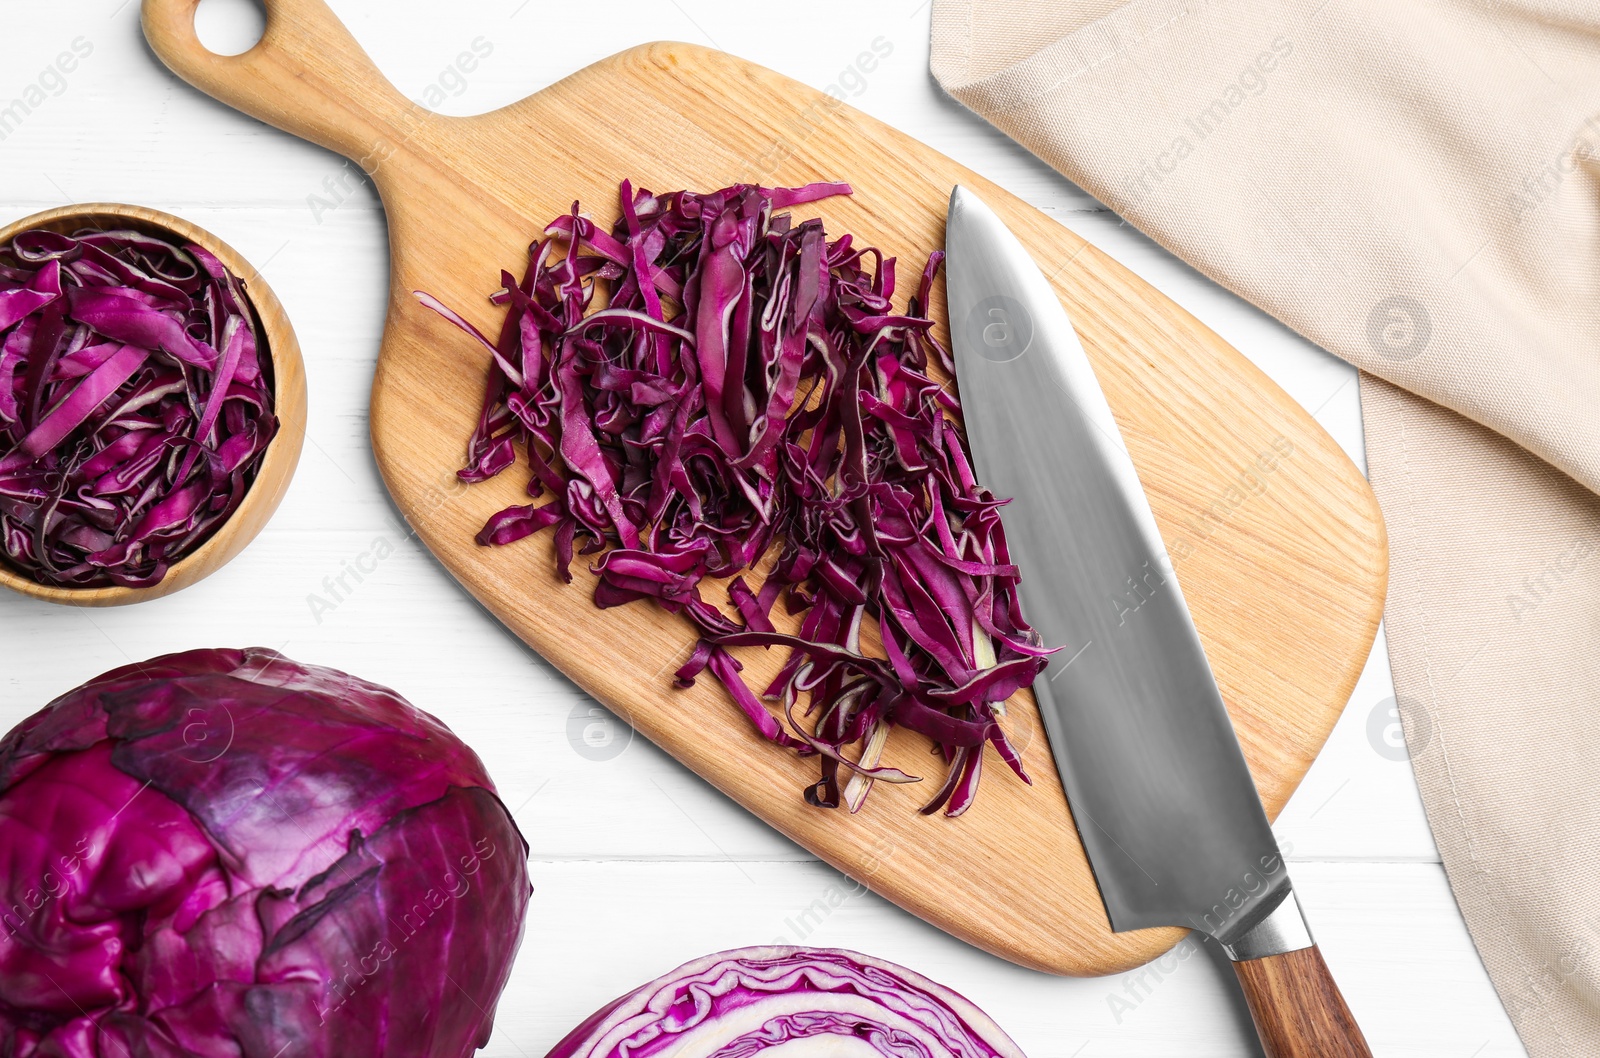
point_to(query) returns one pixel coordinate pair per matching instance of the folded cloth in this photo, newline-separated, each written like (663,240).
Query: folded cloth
(1415,187)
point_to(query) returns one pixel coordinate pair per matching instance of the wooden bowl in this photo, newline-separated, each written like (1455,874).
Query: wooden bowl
(289,393)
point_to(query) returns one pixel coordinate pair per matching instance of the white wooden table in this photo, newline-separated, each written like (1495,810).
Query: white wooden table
(639,865)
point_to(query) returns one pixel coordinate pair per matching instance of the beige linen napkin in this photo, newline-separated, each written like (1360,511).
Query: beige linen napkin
(1414,185)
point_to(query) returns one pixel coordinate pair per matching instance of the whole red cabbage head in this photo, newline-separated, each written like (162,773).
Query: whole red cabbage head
(227,854)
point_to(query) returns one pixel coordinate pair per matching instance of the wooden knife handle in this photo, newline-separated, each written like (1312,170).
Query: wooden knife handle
(1297,1008)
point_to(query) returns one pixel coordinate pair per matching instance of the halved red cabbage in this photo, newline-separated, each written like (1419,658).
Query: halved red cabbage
(821,1002)
(711,388)
(225,854)
(135,404)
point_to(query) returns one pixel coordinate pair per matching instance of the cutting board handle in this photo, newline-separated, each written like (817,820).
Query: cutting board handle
(307,75)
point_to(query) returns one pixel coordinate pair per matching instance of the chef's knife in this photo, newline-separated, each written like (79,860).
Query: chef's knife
(1157,783)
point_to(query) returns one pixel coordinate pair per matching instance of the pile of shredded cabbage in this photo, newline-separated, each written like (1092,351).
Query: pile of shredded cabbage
(135,407)
(711,384)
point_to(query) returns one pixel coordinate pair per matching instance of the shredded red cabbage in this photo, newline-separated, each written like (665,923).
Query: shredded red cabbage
(135,404)
(748,391)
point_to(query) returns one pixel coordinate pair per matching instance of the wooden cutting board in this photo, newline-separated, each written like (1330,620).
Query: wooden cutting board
(1275,535)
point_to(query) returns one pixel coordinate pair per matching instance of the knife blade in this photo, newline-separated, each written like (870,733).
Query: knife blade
(1156,781)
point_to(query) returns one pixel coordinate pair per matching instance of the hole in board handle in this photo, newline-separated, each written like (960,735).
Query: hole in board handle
(230,27)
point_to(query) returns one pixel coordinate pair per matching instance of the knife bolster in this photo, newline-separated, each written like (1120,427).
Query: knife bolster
(1283,930)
